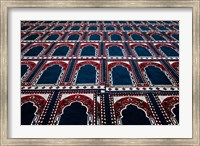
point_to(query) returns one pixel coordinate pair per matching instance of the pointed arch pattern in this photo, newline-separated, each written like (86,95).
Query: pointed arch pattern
(87,99)
(41,27)
(76,27)
(58,27)
(94,64)
(175,50)
(91,50)
(122,103)
(115,36)
(124,65)
(74,36)
(94,36)
(120,49)
(44,46)
(144,28)
(38,101)
(109,27)
(161,28)
(157,37)
(68,52)
(126,27)
(144,65)
(33,36)
(81,98)
(148,51)
(136,36)
(54,36)
(103,69)
(93,27)
(62,73)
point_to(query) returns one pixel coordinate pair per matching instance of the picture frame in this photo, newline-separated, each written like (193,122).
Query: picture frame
(5,5)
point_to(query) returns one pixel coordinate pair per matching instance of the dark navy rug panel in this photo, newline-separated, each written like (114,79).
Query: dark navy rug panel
(50,75)
(92,28)
(24,27)
(52,37)
(116,37)
(95,37)
(134,116)
(61,51)
(177,27)
(58,28)
(156,76)
(87,74)
(158,37)
(40,28)
(162,28)
(73,37)
(32,37)
(88,51)
(137,37)
(74,115)
(144,28)
(35,51)
(121,76)
(75,28)
(115,51)
(176,36)
(169,51)
(27,113)
(142,51)
(110,28)
(127,28)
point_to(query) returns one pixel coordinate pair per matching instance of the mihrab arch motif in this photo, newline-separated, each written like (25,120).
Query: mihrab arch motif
(87,72)
(120,73)
(156,73)
(84,100)
(52,72)
(74,36)
(34,105)
(124,102)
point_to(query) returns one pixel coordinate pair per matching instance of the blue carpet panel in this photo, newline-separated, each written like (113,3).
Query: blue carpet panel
(100,72)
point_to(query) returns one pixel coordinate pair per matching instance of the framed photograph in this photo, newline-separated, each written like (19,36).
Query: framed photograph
(100,72)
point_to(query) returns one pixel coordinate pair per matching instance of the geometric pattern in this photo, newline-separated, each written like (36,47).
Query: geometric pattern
(99,72)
